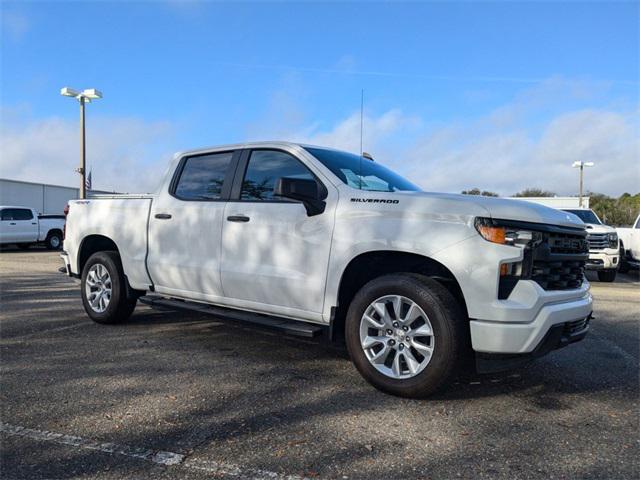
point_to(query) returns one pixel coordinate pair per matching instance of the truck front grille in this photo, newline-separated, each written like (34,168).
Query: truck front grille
(558,261)
(597,241)
(561,275)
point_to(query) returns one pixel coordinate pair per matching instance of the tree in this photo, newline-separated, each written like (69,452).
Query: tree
(535,192)
(476,191)
(612,211)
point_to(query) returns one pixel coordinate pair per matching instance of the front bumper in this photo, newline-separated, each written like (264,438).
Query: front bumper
(527,316)
(606,259)
(558,336)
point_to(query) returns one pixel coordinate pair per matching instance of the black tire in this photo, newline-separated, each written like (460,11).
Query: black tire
(54,240)
(450,328)
(24,246)
(623,266)
(607,275)
(120,305)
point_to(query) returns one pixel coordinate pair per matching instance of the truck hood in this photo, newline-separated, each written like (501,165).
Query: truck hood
(507,209)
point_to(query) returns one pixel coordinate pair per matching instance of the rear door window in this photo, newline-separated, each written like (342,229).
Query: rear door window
(203,176)
(22,214)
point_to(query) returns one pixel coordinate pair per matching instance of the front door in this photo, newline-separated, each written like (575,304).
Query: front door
(185,227)
(274,254)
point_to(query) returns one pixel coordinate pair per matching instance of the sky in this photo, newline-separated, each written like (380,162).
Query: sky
(496,95)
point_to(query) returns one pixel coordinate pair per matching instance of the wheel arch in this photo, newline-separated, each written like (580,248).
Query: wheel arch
(92,244)
(373,264)
(54,230)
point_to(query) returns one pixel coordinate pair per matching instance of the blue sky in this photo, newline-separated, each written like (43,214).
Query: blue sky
(443,81)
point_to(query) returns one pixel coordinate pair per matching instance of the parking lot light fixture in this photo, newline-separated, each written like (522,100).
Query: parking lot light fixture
(86,96)
(580,164)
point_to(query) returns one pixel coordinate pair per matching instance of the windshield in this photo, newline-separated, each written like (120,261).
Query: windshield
(361,173)
(587,216)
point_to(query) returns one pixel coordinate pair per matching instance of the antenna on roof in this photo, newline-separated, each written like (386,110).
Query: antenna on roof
(361,117)
(361,130)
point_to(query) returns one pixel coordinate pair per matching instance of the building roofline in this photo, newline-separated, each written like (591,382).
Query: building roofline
(36,183)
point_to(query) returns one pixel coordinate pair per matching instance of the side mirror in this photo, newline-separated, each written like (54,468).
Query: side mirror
(309,192)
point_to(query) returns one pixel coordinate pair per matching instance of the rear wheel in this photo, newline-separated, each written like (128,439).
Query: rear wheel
(104,289)
(406,334)
(53,241)
(607,275)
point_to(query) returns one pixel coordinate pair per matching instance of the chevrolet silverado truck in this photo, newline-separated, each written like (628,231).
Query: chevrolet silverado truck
(604,249)
(23,227)
(630,246)
(312,241)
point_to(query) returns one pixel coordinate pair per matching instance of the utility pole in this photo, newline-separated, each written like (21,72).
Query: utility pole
(581,165)
(83,153)
(83,97)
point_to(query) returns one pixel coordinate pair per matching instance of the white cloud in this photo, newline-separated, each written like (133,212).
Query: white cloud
(119,152)
(14,24)
(529,142)
(507,159)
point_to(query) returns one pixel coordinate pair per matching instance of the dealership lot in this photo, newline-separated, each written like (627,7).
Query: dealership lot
(183,395)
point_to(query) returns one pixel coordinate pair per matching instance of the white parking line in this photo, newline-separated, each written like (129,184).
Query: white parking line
(161,457)
(155,456)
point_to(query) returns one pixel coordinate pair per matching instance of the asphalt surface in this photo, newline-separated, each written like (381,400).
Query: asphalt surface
(181,395)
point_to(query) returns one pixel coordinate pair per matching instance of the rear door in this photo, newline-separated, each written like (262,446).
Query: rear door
(274,255)
(185,227)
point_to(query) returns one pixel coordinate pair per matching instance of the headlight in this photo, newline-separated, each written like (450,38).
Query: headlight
(492,231)
(613,240)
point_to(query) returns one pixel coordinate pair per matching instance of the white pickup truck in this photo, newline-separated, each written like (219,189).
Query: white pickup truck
(629,246)
(311,240)
(604,247)
(24,227)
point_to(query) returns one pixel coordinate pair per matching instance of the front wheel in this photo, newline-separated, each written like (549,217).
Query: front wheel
(406,334)
(104,289)
(607,275)
(623,265)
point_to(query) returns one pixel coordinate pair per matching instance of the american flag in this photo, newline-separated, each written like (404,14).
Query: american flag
(87,182)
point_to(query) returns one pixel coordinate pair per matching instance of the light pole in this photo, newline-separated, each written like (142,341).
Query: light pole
(82,97)
(581,165)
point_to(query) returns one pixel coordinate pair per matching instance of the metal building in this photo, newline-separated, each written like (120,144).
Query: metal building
(44,198)
(557,202)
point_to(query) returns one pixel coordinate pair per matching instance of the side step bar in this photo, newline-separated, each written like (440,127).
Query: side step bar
(291,327)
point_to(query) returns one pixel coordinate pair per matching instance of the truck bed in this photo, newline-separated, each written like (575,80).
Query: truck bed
(122,218)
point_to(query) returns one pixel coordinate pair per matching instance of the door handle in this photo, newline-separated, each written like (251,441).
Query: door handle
(12,223)
(33,223)
(238,218)
(162,216)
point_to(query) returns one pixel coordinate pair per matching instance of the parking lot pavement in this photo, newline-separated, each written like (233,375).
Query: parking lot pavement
(177,395)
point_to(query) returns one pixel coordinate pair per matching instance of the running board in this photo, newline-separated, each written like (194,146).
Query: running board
(291,327)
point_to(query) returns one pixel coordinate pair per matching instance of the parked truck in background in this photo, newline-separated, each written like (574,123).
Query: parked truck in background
(629,246)
(24,227)
(604,247)
(310,240)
